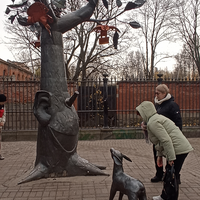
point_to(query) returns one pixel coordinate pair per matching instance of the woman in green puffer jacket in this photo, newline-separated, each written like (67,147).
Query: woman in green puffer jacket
(167,138)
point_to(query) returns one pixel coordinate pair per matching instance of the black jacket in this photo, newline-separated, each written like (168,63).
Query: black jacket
(171,110)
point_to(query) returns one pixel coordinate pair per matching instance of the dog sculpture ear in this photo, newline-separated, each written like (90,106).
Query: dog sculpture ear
(41,104)
(117,160)
(127,158)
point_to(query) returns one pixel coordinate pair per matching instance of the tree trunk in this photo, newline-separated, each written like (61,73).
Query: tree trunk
(58,120)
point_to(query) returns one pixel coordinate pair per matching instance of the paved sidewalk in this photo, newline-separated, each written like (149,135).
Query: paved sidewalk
(19,160)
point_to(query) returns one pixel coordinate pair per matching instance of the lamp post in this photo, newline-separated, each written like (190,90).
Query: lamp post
(159,78)
(105,100)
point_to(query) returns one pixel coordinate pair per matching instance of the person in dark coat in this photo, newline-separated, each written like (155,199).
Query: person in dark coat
(165,105)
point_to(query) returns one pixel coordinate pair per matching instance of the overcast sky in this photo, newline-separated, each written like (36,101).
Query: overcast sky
(6,54)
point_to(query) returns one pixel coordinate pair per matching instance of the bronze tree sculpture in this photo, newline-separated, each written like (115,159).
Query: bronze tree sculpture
(58,121)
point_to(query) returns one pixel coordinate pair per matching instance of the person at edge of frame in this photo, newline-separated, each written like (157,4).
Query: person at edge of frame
(2,118)
(168,139)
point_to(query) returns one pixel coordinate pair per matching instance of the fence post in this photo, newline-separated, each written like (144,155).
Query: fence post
(159,78)
(105,100)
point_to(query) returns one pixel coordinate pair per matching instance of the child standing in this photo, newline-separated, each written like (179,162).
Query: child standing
(2,118)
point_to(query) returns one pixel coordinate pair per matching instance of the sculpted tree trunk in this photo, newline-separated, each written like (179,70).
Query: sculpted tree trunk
(57,117)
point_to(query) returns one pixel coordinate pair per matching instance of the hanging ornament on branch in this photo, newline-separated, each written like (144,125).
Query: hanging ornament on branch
(115,39)
(103,29)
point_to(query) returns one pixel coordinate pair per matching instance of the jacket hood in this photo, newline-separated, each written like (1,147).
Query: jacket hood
(146,110)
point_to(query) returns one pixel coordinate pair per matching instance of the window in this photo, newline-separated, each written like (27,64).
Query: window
(4,72)
(13,76)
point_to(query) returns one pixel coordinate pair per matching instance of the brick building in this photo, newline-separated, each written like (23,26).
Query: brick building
(15,70)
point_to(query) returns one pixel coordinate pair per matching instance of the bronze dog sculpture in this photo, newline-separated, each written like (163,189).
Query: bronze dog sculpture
(124,183)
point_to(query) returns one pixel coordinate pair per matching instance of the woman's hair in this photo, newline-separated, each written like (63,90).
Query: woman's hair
(162,88)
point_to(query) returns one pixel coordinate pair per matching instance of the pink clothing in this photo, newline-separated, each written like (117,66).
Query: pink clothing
(2,119)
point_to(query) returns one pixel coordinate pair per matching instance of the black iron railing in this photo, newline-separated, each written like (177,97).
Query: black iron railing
(101,103)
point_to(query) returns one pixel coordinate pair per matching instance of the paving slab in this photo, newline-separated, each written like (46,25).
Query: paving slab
(20,156)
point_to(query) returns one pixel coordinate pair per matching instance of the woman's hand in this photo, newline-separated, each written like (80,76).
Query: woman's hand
(143,126)
(159,161)
(171,162)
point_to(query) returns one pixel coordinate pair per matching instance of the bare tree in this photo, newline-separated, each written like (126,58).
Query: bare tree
(83,55)
(22,44)
(185,66)
(154,17)
(132,65)
(185,21)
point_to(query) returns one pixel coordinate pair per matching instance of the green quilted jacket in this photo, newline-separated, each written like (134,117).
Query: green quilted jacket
(162,132)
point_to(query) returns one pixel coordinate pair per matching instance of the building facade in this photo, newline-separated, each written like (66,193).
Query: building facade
(15,70)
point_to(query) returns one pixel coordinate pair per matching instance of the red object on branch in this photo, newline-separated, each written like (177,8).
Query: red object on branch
(103,30)
(36,43)
(37,12)
(1,112)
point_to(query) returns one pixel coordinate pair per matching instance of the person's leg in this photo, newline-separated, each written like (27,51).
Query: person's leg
(1,157)
(159,170)
(178,163)
(0,141)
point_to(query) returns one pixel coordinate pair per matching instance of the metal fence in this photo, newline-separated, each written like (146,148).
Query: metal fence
(105,102)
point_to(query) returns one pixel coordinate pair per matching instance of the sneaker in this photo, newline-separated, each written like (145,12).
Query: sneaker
(157,198)
(156,179)
(1,157)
